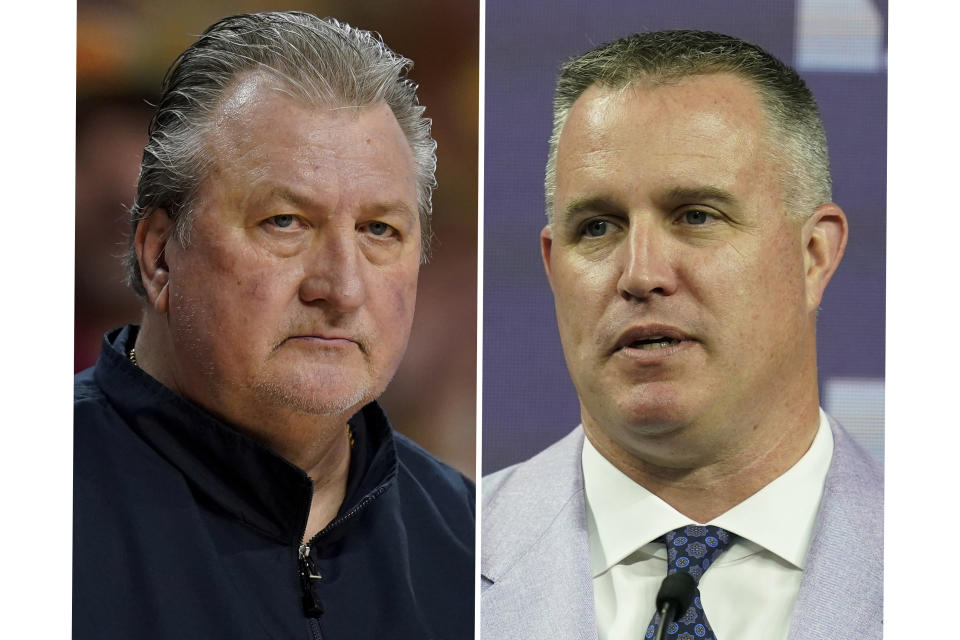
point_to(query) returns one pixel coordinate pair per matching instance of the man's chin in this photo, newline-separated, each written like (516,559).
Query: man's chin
(623,402)
(326,400)
(651,419)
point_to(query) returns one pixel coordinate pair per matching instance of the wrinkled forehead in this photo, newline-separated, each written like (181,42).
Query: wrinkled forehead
(259,116)
(261,97)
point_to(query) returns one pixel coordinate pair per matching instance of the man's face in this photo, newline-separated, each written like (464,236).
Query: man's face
(296,289)
(678,278)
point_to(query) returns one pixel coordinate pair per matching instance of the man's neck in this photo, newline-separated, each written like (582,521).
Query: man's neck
(329,477)
(721,479)
(322,449)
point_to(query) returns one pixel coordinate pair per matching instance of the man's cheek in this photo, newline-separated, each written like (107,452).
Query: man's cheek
(403,302)
(258,286)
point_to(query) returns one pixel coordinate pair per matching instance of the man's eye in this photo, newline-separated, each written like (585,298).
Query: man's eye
(379,228)
(596,228)
(282,221)
(696,216)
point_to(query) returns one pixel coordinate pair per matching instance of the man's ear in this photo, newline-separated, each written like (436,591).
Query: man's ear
(825,239)
(546,244)
(150,242)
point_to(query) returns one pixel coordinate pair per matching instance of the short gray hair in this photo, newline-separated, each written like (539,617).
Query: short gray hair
(660,57)
(321,61)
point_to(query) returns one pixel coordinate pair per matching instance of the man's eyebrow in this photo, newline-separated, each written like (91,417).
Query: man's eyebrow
(704,193)
(603,204)
(394,206)
(598,204)
(281,192)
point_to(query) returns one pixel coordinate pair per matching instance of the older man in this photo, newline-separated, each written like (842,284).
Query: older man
(234,477)
(691,235)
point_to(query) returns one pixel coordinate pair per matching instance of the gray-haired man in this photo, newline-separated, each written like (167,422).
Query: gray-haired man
(234,477)
(691,235)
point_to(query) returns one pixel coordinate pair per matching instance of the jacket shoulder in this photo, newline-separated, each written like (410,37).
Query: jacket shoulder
(85,388)
(92,409)
(419,472)
(842,585)
(535,568)
(522,503)
(854,483)
(553,471)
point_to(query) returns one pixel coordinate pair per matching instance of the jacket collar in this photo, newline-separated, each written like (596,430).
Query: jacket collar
(242,477)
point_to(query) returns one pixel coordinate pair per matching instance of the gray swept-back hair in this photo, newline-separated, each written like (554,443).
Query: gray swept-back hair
(321,61)
(662,57)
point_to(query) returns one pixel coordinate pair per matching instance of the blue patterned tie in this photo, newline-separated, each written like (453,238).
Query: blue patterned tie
(691,549)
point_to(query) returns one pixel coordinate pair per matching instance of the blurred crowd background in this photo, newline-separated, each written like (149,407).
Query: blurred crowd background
(123,49)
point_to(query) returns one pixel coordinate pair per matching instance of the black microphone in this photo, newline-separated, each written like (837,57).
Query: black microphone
(674,598)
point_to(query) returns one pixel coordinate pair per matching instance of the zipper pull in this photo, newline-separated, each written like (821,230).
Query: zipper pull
(309,573)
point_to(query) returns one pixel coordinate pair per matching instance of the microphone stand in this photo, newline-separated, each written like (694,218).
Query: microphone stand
(675,596)
(668,612)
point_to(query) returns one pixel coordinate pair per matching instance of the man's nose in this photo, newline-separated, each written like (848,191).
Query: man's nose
(647,260)
(334,273)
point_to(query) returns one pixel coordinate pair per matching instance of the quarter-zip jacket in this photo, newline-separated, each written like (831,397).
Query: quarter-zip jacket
(186,528)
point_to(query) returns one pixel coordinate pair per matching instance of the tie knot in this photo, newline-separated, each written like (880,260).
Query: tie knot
(692,549)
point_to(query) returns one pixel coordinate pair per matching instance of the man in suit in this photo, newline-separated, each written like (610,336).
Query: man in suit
(690,237)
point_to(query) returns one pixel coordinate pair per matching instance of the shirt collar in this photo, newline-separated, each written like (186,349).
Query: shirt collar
(623,516)
(244,478)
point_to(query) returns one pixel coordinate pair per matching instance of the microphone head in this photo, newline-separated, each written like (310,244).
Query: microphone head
(677,588)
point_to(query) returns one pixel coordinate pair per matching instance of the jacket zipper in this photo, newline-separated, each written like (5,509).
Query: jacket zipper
(308,573)
(315,629)
(308,570)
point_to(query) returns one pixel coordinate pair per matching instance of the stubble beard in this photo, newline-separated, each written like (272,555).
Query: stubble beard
(317,401)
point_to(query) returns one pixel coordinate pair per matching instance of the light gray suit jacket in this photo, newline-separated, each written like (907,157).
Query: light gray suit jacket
(535,559)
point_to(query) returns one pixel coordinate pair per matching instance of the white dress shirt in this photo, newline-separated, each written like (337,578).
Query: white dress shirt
(748,593)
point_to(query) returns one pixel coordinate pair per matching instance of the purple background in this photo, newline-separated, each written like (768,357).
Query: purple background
(528,399)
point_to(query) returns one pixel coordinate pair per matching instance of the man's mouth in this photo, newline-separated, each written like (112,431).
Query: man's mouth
(326,340)
(656,342)
(650,338)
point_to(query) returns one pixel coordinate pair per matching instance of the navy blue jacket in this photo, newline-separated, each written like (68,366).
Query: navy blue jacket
(186,528)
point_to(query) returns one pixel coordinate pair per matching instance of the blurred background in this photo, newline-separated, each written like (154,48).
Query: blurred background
(838,46)
(123,49)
